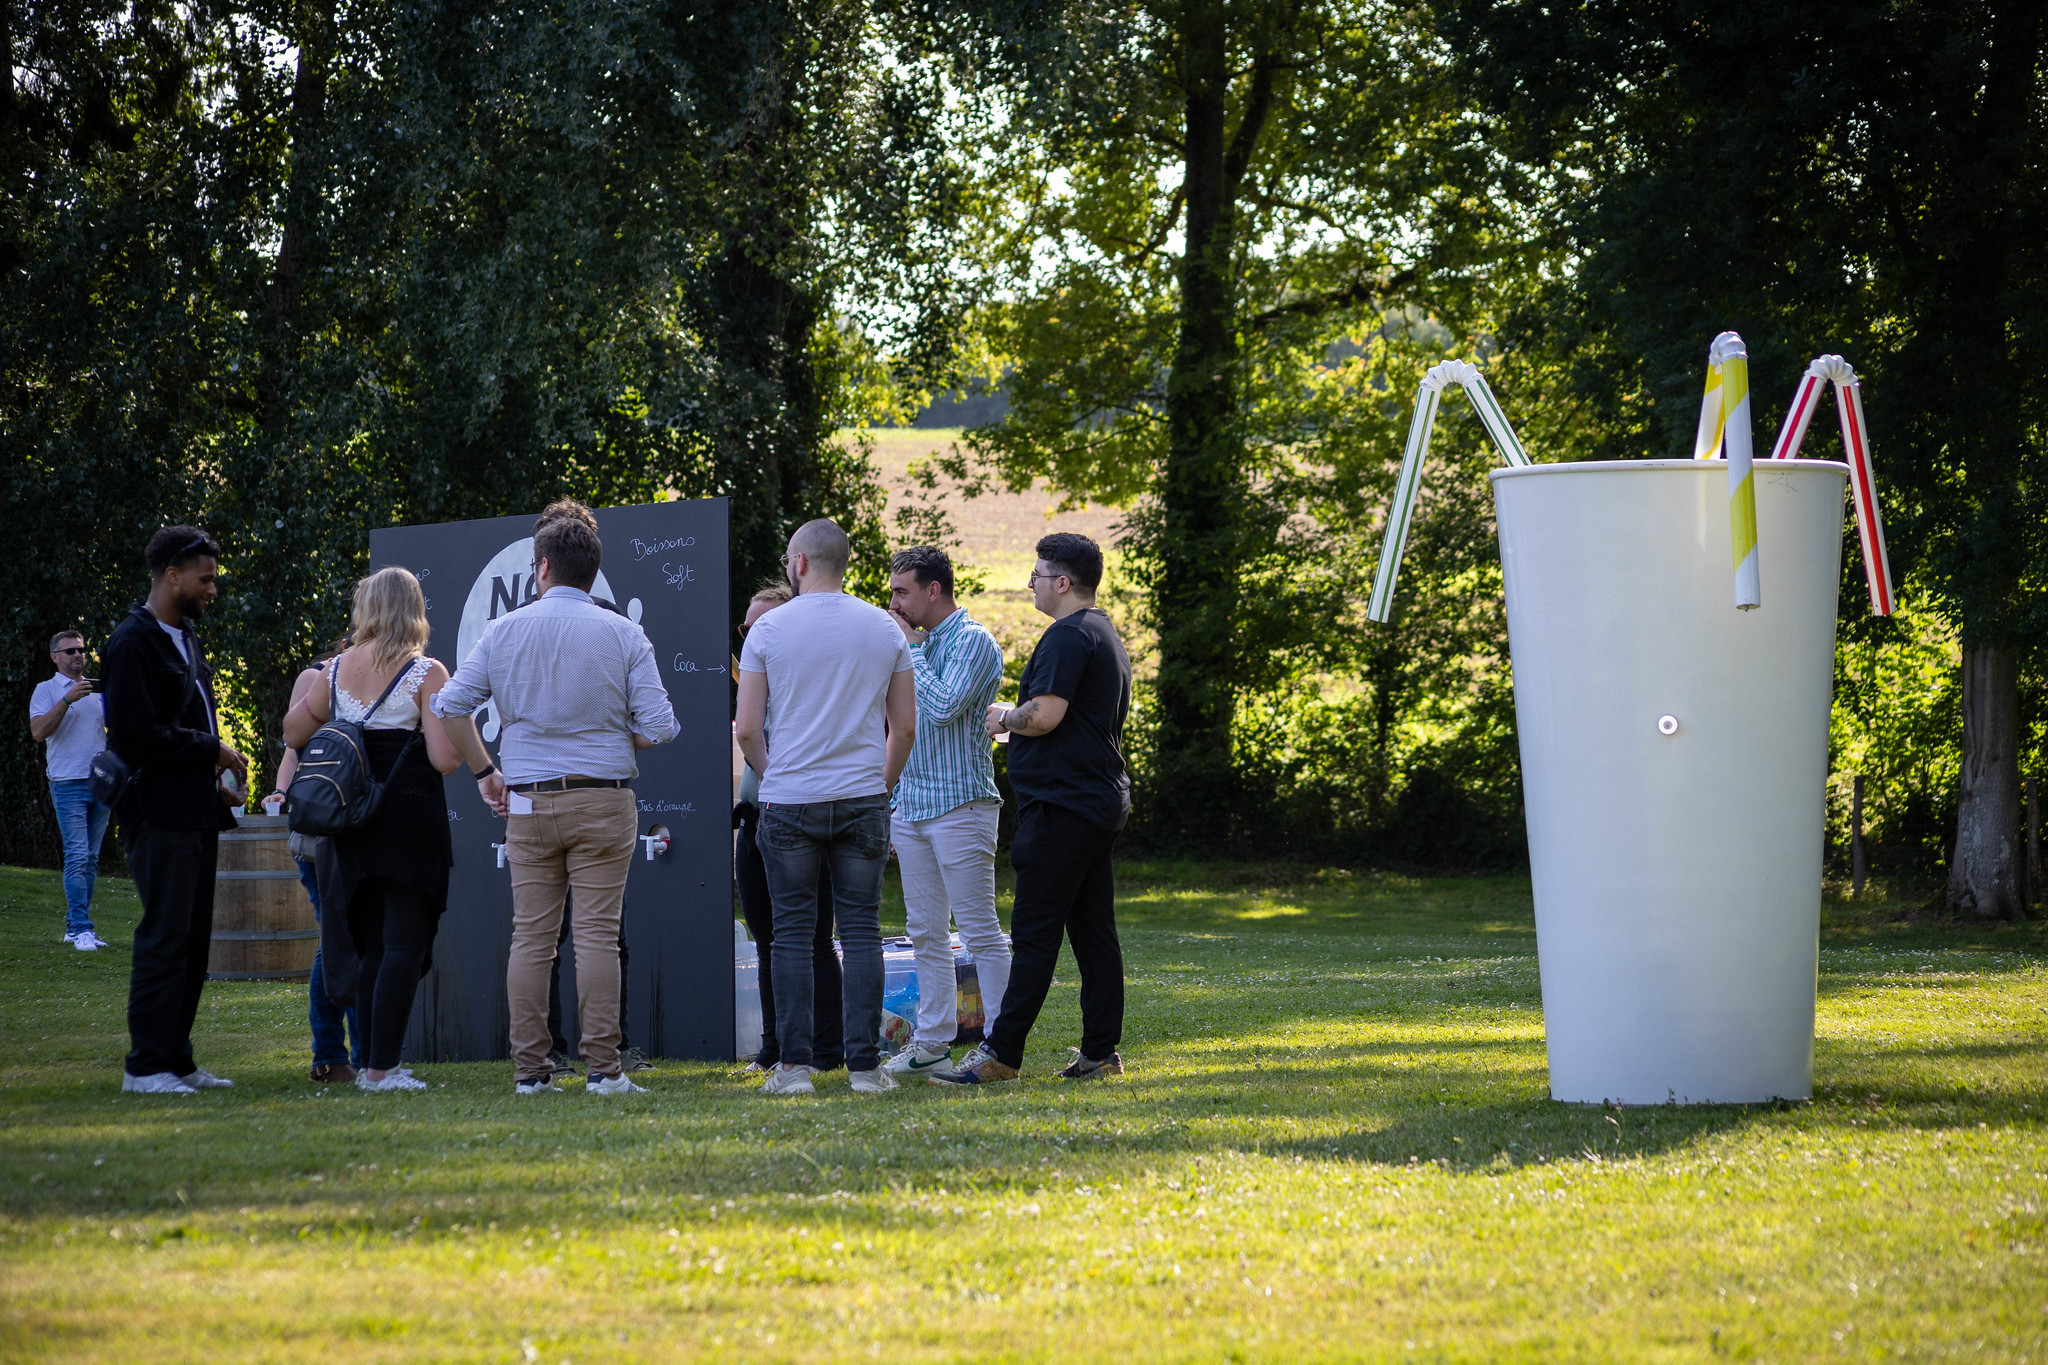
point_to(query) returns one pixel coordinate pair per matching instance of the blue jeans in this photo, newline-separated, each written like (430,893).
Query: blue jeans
(330,1046)
(82,822)
(852,837)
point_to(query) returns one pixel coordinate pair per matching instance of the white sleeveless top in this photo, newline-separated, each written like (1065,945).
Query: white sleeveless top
(400,711)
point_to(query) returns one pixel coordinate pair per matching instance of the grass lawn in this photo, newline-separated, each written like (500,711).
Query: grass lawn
(1333,1144)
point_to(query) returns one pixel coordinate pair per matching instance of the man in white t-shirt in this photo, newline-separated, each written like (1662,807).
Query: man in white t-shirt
(67,716)
(827,714)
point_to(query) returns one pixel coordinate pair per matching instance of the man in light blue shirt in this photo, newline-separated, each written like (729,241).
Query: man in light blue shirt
(944,820)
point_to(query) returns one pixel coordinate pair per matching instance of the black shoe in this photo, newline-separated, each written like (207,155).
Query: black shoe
(633,1059)
(1088,1069)
(564,1068)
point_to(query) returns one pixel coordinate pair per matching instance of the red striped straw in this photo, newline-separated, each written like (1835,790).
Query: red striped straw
(1877,564)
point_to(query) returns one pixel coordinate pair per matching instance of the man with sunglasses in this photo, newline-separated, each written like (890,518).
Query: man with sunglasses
(161,720)
(67,716)
(1066,765)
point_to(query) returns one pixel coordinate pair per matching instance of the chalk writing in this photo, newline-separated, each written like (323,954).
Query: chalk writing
(644,548)
(682,665)
(679,808)
(678,577)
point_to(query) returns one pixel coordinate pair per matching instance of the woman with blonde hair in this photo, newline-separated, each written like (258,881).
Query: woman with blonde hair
(386,883)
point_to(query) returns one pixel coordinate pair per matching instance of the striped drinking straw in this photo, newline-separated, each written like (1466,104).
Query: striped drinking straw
(1409,484)
(1877,567)
(1724,426)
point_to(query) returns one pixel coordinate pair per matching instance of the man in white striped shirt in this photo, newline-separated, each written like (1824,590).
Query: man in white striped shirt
(944,819)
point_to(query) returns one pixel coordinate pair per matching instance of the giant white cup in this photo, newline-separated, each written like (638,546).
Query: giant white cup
(1676,867)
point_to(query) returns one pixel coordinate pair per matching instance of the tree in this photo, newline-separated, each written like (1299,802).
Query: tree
(1209,210)
(292,272)
(1869,181)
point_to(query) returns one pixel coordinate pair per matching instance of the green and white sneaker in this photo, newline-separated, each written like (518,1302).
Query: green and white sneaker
(919,1059)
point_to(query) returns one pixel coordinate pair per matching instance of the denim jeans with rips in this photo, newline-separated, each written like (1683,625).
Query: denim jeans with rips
(853,838)
(82,822)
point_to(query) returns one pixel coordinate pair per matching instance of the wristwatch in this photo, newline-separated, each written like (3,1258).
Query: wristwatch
(486,772)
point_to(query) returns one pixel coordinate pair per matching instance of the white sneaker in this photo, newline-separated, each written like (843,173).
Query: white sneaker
(875,1082)
(201,1079)
(789,1080)
(393,1080)
(613,1085)
(162,1083)
(919,1059)
(545,1085)
(71,939)
(88,942)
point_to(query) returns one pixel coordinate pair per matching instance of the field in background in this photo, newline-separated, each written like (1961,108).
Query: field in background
(1333,1143)
(996,536)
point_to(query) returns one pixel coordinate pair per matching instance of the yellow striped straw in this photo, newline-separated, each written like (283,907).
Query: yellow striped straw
(1724,426)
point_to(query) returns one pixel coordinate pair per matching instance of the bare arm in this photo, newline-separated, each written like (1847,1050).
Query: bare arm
(750,721)
(1039,716)
(289,764)
(441,750)
(902,710)
(308,710)
(43,726)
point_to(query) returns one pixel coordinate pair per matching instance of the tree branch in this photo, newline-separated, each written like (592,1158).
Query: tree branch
(1315,305)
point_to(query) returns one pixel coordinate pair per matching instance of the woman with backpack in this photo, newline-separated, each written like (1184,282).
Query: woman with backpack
(388,850)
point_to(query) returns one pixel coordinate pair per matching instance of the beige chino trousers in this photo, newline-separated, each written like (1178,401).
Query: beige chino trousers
(577,841)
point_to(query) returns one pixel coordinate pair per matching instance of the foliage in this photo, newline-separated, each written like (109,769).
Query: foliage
(1229,239)
(1333,1140)
(295,272)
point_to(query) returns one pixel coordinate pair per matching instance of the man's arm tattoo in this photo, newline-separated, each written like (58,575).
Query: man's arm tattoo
(1017,718)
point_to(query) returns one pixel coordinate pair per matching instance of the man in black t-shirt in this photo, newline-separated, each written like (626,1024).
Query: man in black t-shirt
(1067,766)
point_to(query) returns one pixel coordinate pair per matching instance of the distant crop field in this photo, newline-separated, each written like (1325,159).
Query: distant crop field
(996,536)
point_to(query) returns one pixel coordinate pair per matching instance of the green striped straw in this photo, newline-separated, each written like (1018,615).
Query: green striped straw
(1427,396)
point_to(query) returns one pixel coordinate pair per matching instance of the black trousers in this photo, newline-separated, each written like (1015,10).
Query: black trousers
(393,926)
(1063,887)
(173,871)
(557,1041)
(828,1031)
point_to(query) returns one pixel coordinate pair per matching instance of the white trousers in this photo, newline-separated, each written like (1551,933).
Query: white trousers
(949,877)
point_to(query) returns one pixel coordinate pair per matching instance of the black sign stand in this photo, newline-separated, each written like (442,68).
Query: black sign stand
(665,566)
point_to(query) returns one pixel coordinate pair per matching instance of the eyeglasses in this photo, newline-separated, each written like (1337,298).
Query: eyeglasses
(74,649)
(1032,581)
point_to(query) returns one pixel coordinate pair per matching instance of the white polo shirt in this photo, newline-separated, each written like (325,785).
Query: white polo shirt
(69,751)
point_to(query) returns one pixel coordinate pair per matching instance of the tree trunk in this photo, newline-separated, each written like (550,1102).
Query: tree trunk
(1983,878)
(1202,485)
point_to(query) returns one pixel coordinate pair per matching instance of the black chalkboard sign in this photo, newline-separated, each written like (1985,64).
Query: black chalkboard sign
(665,566)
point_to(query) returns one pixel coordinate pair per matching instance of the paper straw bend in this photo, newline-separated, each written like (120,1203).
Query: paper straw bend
(1428,396)
(1877,567)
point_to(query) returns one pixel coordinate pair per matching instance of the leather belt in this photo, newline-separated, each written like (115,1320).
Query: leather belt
(569,784)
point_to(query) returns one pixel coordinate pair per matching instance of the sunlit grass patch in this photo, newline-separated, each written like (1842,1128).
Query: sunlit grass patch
(1333,1143)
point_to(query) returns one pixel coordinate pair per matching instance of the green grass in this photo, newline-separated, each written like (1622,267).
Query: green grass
(1334,1144)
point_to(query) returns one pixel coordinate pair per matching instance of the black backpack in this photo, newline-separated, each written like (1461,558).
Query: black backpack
(332,791)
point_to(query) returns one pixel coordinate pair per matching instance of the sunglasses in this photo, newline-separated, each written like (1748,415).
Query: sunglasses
(71,649)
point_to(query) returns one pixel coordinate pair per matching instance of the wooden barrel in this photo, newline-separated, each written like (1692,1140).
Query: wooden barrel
(263,925)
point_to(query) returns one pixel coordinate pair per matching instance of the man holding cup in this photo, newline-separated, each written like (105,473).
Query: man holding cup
(1067,767)
(67,715)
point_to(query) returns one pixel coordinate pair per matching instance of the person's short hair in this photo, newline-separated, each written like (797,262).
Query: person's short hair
(570,545)
(1075,555)
(773,593)
(824,543)
(61,636)
(565,507)
(929,563)
(177,545)
(390,617)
